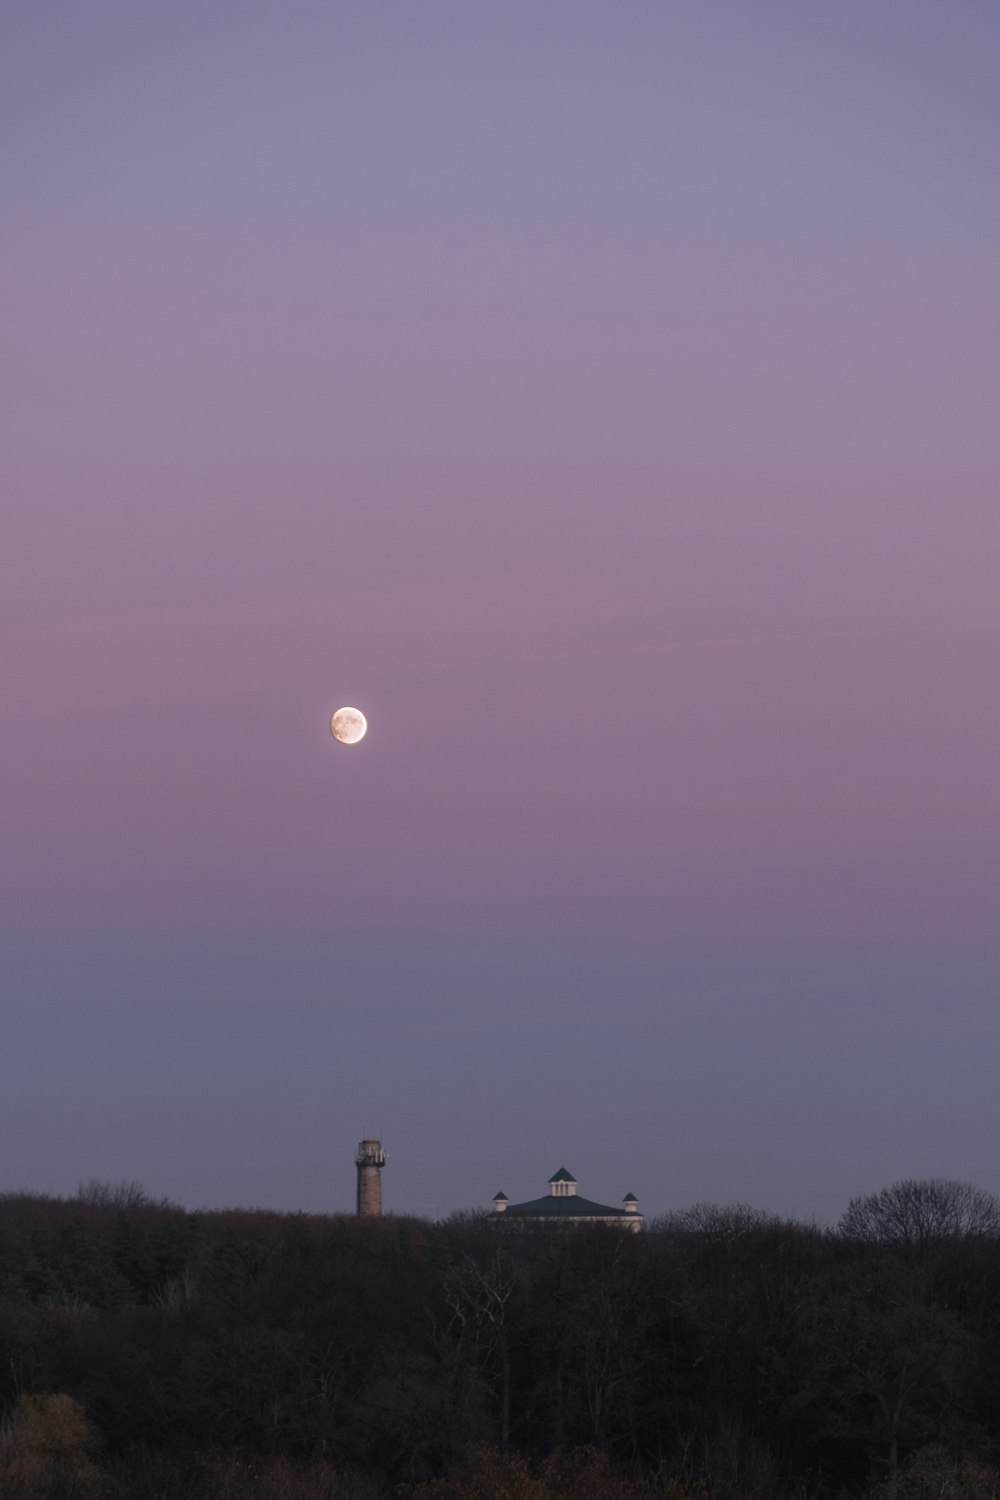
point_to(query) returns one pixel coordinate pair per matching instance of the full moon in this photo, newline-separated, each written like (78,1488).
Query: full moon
(348,725)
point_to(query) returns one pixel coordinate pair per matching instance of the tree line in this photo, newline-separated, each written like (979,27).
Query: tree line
(723,1354)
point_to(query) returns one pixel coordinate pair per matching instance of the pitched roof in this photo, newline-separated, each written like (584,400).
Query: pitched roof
(562,1176)
(630,1198)
(570,1207)
(501,1196)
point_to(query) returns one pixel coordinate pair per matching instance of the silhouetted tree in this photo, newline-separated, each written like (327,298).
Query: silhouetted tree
(921,1211)
(731,1355)
(717,1219)
(123,1194)
(892,1363)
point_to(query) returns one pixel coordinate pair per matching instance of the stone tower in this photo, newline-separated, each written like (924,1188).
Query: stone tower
(370,1160)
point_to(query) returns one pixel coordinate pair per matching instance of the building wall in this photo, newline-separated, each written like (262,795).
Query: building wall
(631,1223)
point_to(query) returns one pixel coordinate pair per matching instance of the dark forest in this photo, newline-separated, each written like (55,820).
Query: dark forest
(149,1353)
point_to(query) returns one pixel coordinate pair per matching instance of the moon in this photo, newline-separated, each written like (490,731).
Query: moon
(348,725)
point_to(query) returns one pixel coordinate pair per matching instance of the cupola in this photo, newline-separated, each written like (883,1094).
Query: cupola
(562,1184)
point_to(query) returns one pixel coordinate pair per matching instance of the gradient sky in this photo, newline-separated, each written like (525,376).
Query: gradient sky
(602,396)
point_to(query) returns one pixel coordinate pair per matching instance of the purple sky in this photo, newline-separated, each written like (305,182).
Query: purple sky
(602,396)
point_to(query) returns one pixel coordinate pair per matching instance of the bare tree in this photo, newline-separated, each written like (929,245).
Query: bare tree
(921,1211)
(892,1363)
(121,1194)
(478,1294)
(723,1220)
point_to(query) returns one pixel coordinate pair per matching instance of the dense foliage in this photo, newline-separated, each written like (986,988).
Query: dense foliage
(722,1355)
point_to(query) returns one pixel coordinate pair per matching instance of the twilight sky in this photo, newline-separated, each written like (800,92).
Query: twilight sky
(601,394)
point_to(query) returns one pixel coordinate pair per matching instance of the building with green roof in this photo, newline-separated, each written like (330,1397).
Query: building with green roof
(563,1205)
